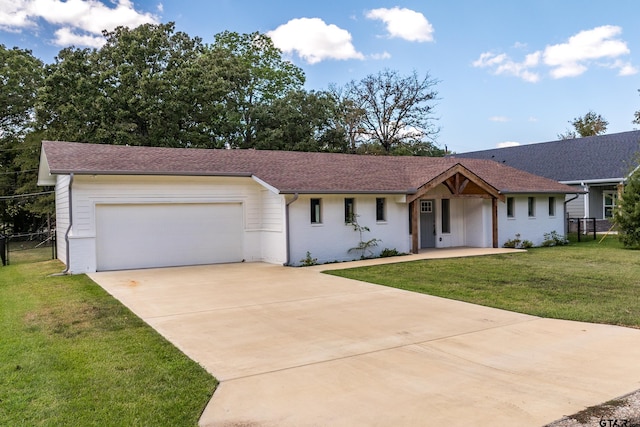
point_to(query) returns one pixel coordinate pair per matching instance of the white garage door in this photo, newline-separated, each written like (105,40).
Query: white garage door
(163,235)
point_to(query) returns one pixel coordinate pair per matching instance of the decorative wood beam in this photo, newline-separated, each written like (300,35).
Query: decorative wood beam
(451,179)
(494,221)
(415,216)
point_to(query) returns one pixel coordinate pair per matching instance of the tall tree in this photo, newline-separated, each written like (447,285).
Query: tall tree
(397,110)
(21,76)
(255,74)
(137,89)
(627,213)
(591,124)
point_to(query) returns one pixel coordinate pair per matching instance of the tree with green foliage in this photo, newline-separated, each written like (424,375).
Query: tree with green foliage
(299,121)
(396,111)
(255,75)
(627,213)
(138,89)
(21,76)
(591,124)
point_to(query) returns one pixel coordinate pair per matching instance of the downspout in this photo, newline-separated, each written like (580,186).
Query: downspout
(66,235)
(286,219)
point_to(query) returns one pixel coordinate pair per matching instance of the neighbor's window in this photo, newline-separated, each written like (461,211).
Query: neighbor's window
(552,206)
(511,207)
(380,209)
(316,211)
(610,203)
(446,217)
(349,209)
(531,206)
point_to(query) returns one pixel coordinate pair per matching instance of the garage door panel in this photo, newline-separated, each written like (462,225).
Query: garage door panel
(163,235)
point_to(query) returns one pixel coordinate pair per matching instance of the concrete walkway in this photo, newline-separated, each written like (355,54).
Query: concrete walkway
(294,347)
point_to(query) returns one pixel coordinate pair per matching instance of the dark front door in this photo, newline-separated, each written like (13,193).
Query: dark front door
(427,224)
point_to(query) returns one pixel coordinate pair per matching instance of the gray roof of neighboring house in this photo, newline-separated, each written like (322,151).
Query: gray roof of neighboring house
(600,157)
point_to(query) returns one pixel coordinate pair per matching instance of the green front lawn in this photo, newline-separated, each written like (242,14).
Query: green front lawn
(588,281)
(70,354)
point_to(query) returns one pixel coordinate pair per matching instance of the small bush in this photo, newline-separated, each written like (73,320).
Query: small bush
(517,243)
(554,239)
(386,252)
(526,244)
(308,261)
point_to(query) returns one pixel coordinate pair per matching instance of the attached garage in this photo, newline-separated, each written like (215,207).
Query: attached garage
(167,234)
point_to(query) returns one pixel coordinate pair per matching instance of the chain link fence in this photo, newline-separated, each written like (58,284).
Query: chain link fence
(28,247)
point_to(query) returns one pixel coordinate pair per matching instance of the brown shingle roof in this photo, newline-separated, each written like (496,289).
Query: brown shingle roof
(287,171)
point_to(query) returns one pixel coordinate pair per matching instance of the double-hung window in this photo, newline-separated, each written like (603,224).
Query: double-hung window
(610,202)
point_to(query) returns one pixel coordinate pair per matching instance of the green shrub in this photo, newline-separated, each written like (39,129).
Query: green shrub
(554,239)
(386,252)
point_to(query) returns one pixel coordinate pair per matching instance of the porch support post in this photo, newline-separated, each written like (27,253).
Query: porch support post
(494,221)
(415,215)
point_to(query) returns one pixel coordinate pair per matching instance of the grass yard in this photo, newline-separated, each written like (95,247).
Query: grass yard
(587,281)
(70,354)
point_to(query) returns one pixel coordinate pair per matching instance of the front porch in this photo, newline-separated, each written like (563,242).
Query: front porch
(459,217)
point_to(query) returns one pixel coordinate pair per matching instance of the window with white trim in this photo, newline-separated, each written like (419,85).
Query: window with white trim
(349,210)
(316,211)
(552,206)
(381,214)
(610,202)
(511,207)
(531,207)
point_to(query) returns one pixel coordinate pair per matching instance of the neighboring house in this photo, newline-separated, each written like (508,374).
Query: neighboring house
(121,207)
(598,165)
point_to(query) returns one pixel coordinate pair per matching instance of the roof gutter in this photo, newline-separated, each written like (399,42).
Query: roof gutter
(286,219)
(153,173)
(66,234)
(593,181)
(294,192)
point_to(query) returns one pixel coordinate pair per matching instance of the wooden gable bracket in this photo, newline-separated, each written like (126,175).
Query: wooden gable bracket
(456,179)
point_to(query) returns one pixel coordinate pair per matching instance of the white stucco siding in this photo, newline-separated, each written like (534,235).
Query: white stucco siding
(530,228)
(92,191)
(331,239)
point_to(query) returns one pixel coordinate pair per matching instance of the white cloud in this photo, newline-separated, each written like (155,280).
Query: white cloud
(66,37)
(501,119)
(502,64)
(383,55)
(404,23)
(80,22)
(600,46)
(532,119)
(569,59)
(314,40)
(507,144)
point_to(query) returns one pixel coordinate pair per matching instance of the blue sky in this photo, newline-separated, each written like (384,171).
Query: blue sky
(509,71)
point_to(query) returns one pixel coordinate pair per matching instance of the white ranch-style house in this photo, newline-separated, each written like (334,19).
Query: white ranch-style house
(121,207)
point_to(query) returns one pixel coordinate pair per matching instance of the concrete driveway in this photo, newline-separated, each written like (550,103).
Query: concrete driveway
(294,347)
